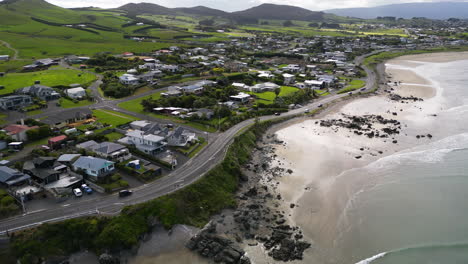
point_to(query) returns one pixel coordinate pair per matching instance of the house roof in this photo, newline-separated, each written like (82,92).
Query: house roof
(7,174)
(34,89)
(87,145)
(14,129)
(91,163)
(68,157)
(107,147)
(57,139)
(65,115)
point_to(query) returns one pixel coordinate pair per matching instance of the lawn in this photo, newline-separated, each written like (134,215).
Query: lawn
(112,118)
(114,136)
(269,97)
(52,77)
(353,85)
(67,103)
(135,104)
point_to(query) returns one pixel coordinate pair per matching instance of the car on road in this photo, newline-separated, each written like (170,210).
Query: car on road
(277,113)
(350,93)
(77,192)
(307,111)
(320,105)
(86,189)
(363,89)
(125,193)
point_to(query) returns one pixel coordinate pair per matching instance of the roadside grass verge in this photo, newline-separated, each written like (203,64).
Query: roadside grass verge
(67,103)
(353,85)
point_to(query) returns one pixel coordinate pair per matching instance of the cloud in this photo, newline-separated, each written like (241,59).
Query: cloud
(236,5)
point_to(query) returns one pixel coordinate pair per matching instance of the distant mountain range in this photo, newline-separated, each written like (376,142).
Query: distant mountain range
(264,11)
(434,10)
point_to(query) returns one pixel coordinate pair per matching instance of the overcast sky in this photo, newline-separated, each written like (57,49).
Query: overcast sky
(236,5)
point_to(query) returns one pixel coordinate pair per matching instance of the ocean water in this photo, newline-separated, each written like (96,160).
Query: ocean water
(412,206)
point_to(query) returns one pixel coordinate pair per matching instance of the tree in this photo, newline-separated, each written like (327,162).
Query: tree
(288,23)
(206,22)
(277,92)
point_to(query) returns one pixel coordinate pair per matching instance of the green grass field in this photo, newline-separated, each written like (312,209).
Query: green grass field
(135,104)
(352,86)
(113,118)
(53,77)
(67,103)
(269,97)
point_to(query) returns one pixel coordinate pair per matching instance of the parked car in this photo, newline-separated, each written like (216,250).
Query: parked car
(307,111)
(277,113)
(77,192)
(320,105)
(125,193)
(86,189)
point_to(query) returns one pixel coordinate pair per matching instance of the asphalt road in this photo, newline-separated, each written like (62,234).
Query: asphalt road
(188,173)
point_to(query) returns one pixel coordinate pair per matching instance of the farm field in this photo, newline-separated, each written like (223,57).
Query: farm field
(52,77)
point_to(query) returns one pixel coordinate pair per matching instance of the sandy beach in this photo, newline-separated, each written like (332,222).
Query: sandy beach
(320,156)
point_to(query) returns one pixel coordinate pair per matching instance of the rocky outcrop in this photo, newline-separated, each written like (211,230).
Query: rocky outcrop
(220,249)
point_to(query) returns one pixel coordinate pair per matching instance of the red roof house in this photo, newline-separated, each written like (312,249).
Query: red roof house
(55,141)
(18,132)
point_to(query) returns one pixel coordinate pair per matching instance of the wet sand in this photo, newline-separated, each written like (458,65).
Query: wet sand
(318,156)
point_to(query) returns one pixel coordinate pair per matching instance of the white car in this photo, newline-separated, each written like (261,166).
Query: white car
(77,192)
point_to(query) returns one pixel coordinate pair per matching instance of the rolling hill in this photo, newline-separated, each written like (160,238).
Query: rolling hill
(280,12)
(433,10)
(264,11)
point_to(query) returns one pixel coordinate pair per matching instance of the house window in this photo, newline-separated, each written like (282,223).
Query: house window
(94,172)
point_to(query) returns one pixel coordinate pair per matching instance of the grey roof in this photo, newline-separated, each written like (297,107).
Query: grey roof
(87,145)
(7,174)
(65,115)
(91,163)
(108,147)
(68,157)
(34,89)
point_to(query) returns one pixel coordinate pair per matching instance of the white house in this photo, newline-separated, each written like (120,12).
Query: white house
(263,87)
(76,93)
(129,79)
(241,97)
(315,84)
(95,168)
(149,144)
(289,78)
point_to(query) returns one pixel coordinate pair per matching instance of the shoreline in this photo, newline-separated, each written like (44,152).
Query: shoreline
(366,151)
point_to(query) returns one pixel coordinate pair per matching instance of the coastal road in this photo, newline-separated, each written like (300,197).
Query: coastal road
(185,175)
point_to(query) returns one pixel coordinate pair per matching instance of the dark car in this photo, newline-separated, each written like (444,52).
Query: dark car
(125,193)
(277,114)
(320,105)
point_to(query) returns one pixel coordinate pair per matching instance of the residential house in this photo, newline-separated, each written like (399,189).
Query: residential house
(68,116)
(4,57)
(241,98)
(264,87)
(77,93)
(18,132)
(147,143)
(107,150)
(205,113)
(95,168)
(315,84)
(68,159)
(292,68)
(10,177)
(14,102)
(129,79)
(172,91)
(43,170)
(289,79)
(40,91)
(181,137)
(55,142)
(170,68)
(241,86)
